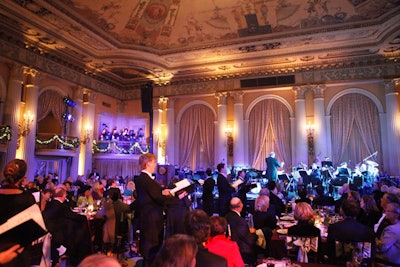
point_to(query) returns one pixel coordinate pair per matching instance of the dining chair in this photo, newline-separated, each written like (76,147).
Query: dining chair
(351,251)
(299,248)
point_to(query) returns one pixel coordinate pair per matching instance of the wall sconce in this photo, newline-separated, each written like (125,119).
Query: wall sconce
(88,133)
(310,138)
(24,127)
(229,140)
(228,131)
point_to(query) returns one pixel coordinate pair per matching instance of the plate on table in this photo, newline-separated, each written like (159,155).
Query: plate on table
(282,231)
(286,218)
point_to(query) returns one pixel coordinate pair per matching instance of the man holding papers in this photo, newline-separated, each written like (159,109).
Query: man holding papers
(150,202)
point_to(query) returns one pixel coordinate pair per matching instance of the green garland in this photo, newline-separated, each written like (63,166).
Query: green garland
(74,143)
(96,148)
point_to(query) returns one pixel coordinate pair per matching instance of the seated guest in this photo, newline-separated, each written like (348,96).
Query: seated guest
(85,196)
(344,191)
(369,212)
(274,200)
(67,229)
(221,245)
(99,260)
(96,191)
(240,231)
(45,196)
(303,196)
(263,217)
(348,229)
(177,250)
(115,213)
(70,194)
(383,221)
(321,199)
(304,214)
(197,224)
(388,247)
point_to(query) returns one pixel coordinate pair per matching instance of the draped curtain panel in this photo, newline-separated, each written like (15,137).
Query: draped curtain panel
(51,101)
(112,167)
(355,130)
(269,130)
(197,138)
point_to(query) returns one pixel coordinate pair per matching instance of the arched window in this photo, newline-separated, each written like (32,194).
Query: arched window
(269,130)
(197,137)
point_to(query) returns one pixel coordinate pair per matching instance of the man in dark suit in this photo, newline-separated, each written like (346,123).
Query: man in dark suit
(68,229)
(225,190)
(208,196)
(198,224)
(272,165)
(274,200)
(150,202)
(348,230)
(322,199)
(241,233)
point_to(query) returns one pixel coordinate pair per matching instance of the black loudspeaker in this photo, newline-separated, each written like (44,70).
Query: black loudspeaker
(147,97)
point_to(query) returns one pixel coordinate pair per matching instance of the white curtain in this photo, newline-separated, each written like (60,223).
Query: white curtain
(196,140)
(355,129)
(51,101)
(269,130)
(112,167)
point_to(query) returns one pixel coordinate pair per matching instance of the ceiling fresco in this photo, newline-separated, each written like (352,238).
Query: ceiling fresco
(126,43)
(169,24)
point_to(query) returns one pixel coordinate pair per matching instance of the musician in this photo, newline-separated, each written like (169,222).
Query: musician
(315,174)
(272,165)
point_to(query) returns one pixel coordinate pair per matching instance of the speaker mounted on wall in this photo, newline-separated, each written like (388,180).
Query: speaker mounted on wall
(147,97)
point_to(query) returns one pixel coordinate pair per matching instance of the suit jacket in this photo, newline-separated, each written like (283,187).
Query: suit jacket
(348,230)
(277,203)
(150,203)
(264,219)
(389,248)
(241,233)
(204,258)
(272,171)
(208,196)
(225,191)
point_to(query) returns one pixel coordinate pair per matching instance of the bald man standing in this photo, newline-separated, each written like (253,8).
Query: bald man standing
(241,233)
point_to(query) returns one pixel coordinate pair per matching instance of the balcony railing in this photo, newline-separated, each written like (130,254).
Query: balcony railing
(120,147)
(55,141)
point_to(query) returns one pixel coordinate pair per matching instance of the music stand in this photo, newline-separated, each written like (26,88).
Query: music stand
(305,176)
(327,164)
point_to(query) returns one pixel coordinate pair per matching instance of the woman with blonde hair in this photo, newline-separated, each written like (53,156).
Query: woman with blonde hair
(304,214)
(263,215)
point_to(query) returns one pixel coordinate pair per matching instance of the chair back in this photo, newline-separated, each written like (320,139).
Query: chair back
(353,251)
(299,247)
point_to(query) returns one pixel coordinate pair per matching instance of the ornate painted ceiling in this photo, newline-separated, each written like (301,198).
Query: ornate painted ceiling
(129,42)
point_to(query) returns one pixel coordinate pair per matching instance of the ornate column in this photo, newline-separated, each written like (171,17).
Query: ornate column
(238,130)
(160,129)
(76,130)
(221,150)
(392,139)
(320,134)
(301,153)
(170,129)
(86,127)
(12,110)
(27,142)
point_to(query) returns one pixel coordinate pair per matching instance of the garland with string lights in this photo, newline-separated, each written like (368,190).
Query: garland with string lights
(74,143)
(96,148)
